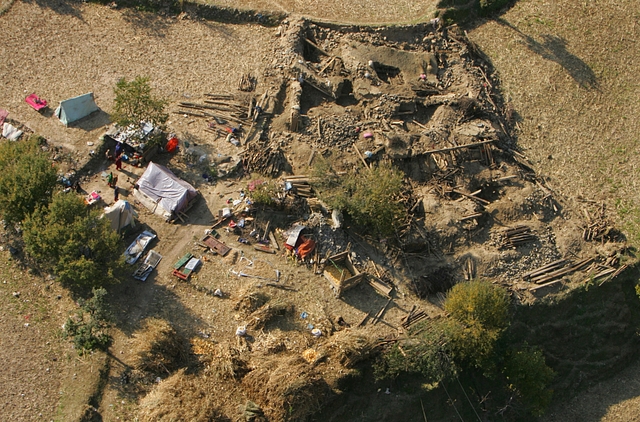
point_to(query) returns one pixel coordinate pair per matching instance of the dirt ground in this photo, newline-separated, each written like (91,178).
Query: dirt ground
(190,58)
(355,12)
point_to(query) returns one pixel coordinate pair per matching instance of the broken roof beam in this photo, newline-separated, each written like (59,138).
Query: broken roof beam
(314,45)
(457,147)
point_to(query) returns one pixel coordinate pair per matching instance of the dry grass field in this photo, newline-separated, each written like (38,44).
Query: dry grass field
(570,69)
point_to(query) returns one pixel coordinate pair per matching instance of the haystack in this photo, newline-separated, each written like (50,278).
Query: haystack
(250,301)
(287,389)
(223,360)
(180,398)
(350,347)
(159,350)
(261,316)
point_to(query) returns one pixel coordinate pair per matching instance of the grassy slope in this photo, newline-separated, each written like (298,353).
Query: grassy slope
(571,70)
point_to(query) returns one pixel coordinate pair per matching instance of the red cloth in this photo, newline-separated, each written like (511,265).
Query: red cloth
(307,246)
(172,145)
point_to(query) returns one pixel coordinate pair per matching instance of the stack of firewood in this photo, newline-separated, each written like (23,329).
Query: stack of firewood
(517,236)
(268,160)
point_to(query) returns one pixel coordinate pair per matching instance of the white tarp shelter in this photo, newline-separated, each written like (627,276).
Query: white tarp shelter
(76,108)
(121,214)
(162,192)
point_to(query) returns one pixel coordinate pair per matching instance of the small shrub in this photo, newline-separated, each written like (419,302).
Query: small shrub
(263,192)
(369,197)
(88,327)
(529,377)
(426,353)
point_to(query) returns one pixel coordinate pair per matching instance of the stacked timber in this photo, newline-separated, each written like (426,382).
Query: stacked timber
(517,236)
(268,160)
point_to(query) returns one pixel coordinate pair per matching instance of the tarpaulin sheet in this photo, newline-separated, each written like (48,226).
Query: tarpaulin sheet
(167,193)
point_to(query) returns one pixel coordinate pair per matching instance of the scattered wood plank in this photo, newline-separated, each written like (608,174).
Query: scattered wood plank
(263,248)
(380,286)
(551,283)
(543,278)
(475,198)
(545,269)
(314,45)
(361,157)
(475,144)
(378,316)
(282,286)
(363,322)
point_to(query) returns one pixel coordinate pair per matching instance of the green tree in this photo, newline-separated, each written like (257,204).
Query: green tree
(134,102)
(479,302)
(73,242)
(529,377)
(481,310)
(27,179)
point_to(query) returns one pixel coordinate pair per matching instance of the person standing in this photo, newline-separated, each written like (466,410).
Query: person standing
(119,162)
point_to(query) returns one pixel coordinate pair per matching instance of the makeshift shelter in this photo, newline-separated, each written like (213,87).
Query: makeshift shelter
(76,108)
(163,193)
(121,214)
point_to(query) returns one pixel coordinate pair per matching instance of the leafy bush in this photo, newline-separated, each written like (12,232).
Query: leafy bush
(529,377)
(369,197)
(27,179)
(134,103)
(263,192)
(426,353)
(490,5)
(73,242)
(479,302)
(88,327)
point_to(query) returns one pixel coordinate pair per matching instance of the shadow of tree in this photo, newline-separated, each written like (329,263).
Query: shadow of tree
(554,48)
(61,7)
(147,23)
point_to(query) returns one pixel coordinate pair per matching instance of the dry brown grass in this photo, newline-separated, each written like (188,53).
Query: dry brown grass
(570,70)
(223,361)
(261,316)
